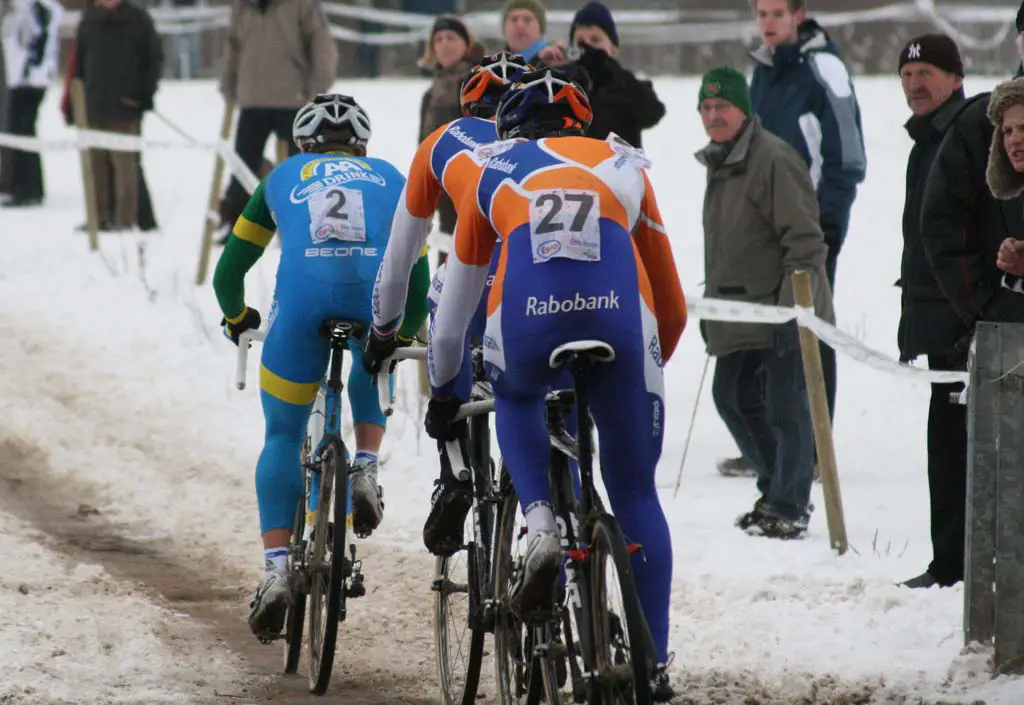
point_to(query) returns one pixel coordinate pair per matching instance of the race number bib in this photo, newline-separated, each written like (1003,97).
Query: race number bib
(565,223)
(337,214)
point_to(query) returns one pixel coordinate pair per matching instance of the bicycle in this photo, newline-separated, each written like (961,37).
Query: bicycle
(604,655)
(318,568)
(459,681)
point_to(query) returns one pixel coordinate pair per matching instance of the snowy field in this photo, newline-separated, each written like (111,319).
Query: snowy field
(128,523)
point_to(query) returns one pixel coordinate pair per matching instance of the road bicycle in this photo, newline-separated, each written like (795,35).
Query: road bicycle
(601,652)
(321,576)
(463,586)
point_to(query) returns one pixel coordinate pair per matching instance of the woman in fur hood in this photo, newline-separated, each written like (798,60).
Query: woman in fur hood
(1005,174)
(450,53)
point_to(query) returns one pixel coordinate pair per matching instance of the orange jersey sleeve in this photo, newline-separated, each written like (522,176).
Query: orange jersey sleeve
(423,187)
(656,255)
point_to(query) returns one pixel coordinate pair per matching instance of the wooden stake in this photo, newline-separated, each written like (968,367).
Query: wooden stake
(92,219)
(803,294)
(214,203)
(282,152)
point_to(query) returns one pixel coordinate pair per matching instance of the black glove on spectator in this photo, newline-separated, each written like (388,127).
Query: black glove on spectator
(597,64)
(830,228)
(439,422)
(250,321)
(787,337)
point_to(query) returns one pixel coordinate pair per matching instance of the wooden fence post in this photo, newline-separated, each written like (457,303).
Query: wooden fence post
(803,295)
(92,220)
(214,202)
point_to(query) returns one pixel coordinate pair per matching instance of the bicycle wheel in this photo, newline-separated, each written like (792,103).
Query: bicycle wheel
(297,611)
(518,679)
(619,628)
(459,647)
(326,566)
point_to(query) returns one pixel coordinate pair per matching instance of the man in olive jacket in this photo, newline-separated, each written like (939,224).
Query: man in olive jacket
(760,226)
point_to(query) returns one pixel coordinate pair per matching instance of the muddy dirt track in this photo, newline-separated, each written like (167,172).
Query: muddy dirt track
(392,663)
(386,656)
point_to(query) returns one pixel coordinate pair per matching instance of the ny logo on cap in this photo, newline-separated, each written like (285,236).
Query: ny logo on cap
(712,88)
(914,52)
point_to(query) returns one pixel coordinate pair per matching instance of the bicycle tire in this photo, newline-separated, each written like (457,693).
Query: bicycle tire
(326,593)
(451,692)
(296,616)
(617,683)
(515,670)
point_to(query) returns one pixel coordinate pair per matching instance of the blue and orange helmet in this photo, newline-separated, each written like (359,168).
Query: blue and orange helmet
(487,82)
(544,103)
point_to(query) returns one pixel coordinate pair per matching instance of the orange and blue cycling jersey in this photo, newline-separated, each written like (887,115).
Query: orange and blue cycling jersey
(444,162)
(583,208)
(583,255)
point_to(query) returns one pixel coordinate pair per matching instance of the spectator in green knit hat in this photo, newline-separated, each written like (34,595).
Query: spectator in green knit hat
(724,103)
(523,24)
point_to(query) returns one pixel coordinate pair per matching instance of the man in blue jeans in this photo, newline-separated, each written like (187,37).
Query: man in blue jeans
(760,226)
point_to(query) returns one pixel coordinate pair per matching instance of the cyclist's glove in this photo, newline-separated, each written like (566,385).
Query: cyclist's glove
(250,321)
(439,422)
(378,348)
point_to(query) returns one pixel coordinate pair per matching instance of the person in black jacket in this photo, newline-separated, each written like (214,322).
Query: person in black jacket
(120,59)
(962,227)
(622,103)
(932,73)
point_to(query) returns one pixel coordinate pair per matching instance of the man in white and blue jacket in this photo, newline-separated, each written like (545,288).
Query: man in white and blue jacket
(802,91)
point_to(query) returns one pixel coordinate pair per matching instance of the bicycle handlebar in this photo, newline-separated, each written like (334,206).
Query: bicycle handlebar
(385,394)
(244,341)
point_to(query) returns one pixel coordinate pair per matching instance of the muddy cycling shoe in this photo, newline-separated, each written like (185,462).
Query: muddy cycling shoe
(270,606)
(367,499)
(534,590)
(449,505)
(661,688)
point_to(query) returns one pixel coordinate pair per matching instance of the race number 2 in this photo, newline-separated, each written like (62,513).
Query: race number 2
(565,223)
(337,214)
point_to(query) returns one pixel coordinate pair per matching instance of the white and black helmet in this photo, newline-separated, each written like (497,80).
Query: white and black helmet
(331,112)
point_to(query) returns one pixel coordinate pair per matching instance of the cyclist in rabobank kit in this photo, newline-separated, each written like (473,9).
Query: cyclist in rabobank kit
(332,207)
(583,255)
(445,161)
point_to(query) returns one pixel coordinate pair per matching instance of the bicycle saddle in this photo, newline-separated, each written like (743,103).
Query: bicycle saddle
(341,329)
(592,350)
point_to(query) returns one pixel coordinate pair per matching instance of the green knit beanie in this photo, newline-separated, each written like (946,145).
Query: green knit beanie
(728,84)
(534,6)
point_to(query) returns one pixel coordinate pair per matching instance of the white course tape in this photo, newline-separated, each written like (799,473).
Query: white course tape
(119,142)
(637,27)
(743,312)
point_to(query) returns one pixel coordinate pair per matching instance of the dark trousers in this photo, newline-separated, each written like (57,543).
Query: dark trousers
(947,474)
(761,396)
(255,125)
(828,355)
(26,167)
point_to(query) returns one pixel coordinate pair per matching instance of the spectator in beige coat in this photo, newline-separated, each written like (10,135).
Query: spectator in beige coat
(278,56)
(450,53)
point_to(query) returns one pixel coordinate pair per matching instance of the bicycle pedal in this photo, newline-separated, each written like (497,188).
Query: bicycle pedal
(437,585)
(268,638)
(357,588)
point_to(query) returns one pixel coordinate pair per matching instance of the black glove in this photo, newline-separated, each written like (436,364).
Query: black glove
(378,348)
(830,229)
(439,422)
(787,337)
(250,321)
(597,64)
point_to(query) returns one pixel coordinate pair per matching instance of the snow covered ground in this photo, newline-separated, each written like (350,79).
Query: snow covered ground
(127,516)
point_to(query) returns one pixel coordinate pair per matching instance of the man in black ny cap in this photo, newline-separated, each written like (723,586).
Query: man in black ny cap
(959,230)
(932,74)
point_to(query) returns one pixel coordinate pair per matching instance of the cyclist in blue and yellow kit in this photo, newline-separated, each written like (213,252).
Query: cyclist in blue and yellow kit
(332,207)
